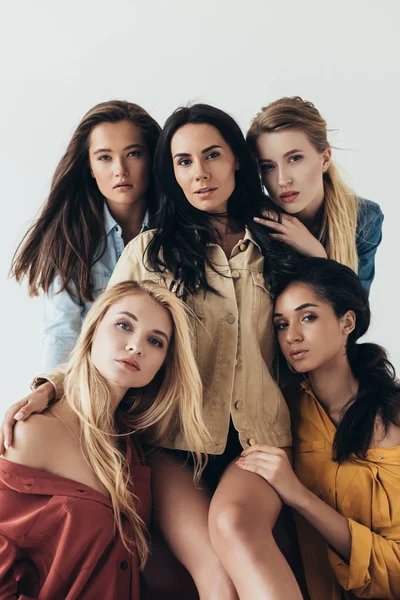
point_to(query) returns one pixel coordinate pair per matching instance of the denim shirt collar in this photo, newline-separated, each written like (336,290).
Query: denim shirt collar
(110,223)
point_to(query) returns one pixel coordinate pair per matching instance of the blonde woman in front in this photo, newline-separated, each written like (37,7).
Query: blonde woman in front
(74,488)
(320,216)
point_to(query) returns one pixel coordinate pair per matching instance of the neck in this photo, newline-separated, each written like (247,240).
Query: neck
(334,384)
(311,215)
(224,226)
(130,217)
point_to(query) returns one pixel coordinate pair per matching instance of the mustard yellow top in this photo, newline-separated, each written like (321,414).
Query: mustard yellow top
(366,492)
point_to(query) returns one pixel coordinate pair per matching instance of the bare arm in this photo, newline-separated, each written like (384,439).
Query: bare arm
(273,465)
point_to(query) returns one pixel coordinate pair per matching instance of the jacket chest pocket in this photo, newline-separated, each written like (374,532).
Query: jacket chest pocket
(261,304)
(100,281)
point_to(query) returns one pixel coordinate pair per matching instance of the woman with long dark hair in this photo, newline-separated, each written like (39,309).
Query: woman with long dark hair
(208,250)
(345,486)
(102,196)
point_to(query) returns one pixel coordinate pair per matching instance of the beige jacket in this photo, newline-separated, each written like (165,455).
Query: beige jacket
(234,345)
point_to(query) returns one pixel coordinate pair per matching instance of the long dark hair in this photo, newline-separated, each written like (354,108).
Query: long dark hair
(69,234)
(179,245)
(378,395)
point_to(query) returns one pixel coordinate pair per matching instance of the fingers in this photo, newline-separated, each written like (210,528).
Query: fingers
(17,412)
(270,223)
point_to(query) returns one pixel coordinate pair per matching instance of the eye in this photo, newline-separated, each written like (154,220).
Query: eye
(212,155)
(295,158)
(266,168)
(184,162)
(135,153)
(309,318)
(104,157)
(281,326)
(124,325)
(156,342)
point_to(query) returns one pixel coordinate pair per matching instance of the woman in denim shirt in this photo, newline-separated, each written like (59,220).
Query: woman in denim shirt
(102,196)
(322,217)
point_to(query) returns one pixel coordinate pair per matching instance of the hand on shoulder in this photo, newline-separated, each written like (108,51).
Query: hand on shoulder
(32,442)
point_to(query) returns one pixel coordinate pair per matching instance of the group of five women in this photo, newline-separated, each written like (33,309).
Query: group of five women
(176,367)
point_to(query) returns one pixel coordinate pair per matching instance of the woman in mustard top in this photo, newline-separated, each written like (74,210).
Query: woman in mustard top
(345,486)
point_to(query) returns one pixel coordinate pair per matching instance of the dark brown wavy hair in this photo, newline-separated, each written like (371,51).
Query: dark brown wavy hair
(68,236)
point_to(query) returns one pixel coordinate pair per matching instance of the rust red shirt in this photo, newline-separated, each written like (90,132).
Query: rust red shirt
(57,538)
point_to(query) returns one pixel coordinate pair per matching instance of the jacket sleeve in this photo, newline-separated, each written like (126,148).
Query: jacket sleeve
(374,567)
(61,324)
(369,236)
(55,377)
(8,584)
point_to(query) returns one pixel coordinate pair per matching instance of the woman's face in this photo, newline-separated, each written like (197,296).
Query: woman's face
(292,170)
(119,162)
(204,166)
(310,335)
(131,342)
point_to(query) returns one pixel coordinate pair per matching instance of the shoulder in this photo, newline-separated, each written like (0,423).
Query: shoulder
(32,441)
(388,439)
(368,211)
(140,242)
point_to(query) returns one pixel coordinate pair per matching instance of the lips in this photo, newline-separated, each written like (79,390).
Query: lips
(205,192)
(298,353)
(130,364)
(122,185)
(289,196)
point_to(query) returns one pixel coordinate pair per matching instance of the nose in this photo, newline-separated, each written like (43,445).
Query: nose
(201,173)
(120,168)
(135,346)
(293,334)
(284,177)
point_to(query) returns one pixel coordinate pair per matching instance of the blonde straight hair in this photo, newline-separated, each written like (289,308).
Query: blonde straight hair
(339,222)
(173,398)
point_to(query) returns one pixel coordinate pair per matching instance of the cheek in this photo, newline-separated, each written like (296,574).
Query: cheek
(311,175)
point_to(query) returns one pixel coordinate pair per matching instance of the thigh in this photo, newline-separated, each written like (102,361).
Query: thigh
(180,509)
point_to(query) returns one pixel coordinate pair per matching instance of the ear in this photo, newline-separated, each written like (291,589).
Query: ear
(349,322)
(326,159)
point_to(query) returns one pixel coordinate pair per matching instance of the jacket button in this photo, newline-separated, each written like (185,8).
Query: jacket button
(380,456)
(242,247)
(239,405)
(231,319)
(235,274)
(124,565)
(236,362)
(252,442)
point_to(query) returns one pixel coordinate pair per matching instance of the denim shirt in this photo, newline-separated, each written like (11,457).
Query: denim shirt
(368,238)
(63,312)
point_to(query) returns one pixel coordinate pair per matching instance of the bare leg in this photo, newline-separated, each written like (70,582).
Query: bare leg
(181,513)
(242,514)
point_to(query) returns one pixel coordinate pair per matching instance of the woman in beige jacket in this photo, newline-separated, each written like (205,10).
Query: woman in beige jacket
(211,253)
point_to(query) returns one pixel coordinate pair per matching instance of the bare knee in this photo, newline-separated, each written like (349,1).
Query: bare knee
(232,522)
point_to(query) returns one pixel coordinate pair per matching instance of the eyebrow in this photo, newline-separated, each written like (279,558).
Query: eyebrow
(288,153)
(301,307)
(134,318)
(180,154)
(126,148)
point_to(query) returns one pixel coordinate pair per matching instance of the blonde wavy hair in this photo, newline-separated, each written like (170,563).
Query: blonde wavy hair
(172,400)
(339,221)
